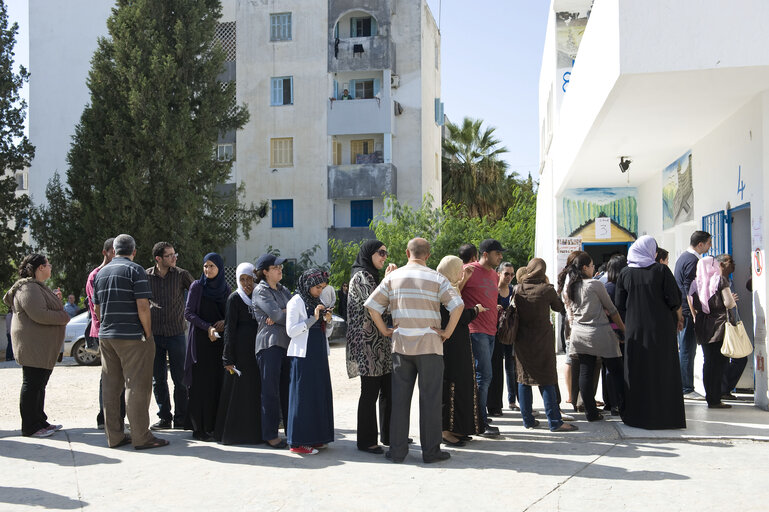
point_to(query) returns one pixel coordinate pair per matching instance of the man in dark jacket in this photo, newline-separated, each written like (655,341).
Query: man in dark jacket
(686,271)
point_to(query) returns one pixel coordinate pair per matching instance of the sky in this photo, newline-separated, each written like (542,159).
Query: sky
(491,51)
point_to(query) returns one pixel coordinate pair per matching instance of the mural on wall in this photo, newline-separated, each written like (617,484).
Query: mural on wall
(677,192)
(584,212)
(570,27)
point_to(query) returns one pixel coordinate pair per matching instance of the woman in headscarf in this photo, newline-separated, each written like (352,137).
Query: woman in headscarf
(646,295)
(461,416)
(310,422)
(590,309)
(712,299)
(37,332)
(534,349)
(205,310)
(239,420)
(369,353)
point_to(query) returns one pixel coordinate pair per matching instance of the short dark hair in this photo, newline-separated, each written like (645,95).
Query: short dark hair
(159,248)
(662,254)
(699,237)
(615,266)
(108,244)
(30,264)
(467,252)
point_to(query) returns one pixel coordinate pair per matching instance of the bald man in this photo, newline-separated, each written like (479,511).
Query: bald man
(414,294)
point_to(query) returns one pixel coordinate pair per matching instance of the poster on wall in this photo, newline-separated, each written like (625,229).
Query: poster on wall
(599,214)
(570,27)
(564,247)
(677,192)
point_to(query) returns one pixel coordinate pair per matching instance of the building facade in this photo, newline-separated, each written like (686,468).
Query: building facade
(680,90)
(321,162)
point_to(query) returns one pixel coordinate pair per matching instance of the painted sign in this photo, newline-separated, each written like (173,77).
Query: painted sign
(677,192)
(582,206)
(564,247)
(603,228)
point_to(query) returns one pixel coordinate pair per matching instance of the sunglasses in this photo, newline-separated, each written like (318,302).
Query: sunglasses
(508,273)
(383,253)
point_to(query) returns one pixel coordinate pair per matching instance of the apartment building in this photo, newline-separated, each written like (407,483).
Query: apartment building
(322,162)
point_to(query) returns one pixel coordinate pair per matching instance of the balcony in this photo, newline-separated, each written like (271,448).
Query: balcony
(360,116)
(361,180)
(361,53)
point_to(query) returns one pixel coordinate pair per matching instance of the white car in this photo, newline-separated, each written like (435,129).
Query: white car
(74,342)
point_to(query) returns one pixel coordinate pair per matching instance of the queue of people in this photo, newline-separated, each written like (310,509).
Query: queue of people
(255,360)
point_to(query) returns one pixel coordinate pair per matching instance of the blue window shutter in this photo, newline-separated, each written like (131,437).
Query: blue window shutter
(276,97)
(437,108)
(283,213)
(336,89)
(373,26)
(361,213)
(352,88)
(353,31)
(376,86)
(715,224)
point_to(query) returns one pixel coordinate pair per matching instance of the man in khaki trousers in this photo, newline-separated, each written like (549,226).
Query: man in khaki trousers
(121,299)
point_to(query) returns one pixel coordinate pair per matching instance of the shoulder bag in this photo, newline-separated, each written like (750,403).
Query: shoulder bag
(736,341)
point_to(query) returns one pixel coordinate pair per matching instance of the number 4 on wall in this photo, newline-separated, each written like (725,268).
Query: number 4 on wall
(740,183)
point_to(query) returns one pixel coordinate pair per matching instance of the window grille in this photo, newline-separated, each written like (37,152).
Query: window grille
(225,33)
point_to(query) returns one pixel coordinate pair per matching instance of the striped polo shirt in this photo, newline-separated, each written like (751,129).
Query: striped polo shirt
(414,294)
(117,286)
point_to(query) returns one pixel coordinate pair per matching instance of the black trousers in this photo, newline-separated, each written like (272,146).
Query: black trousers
(497,385)
(373,389)
(732,372)
(587,387)
(713,371)
(32,399)
(612,377)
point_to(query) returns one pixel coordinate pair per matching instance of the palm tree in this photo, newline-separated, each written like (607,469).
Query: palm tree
(473,174)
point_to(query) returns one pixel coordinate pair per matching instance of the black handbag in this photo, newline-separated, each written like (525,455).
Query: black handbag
(507,325)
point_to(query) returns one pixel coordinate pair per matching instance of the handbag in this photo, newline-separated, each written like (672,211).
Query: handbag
(507,325)
(736,341)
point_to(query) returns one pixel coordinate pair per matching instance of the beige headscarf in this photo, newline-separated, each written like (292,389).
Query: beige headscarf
(520,274)
(451,268)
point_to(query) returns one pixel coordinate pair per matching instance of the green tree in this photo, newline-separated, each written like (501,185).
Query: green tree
(142,159)
(473,174)
(15,153)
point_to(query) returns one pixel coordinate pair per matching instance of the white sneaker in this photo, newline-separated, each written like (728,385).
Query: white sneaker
(567,417)
(43,432)
(694,396)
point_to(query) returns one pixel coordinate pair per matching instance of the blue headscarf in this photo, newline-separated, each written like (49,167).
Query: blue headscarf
(215,289)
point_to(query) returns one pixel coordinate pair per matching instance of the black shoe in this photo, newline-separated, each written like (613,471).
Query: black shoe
(533,425)
(203,436)
(457,444)
(597,417)
(728,396)
(161,425)
(438,458)
(464,438)
(719,405)
(280,445)
(495,413)
(490,431)
(615,411)
(377,450)
(389,456)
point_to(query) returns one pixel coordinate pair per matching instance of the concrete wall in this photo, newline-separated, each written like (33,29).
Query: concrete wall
(431,89)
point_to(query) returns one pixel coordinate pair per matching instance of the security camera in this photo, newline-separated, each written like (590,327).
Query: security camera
(624,165)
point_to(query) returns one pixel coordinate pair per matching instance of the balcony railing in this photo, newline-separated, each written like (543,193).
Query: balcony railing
(360,116)
(361,180)
(361,54)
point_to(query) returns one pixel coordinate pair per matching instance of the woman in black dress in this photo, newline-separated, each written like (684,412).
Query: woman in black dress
(461,416)
(205,310)
(239,420)
(646,296)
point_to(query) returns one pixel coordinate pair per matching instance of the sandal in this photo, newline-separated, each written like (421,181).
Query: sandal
(126,440)
(566,427)
(156,442)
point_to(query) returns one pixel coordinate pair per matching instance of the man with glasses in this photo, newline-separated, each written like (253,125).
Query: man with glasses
(168,284)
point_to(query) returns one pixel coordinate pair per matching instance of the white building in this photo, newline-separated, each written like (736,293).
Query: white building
(321,162)
(680,89)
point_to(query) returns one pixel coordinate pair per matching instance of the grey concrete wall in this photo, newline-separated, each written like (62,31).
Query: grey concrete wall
(361,180)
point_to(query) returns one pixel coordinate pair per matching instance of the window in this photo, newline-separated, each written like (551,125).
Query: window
(362,27)
(283,213)
(282,91)
(337,152)
(280,26)
(364,89)
(360,147)
(282,152)
(225,152)
(438,112)
(361,213)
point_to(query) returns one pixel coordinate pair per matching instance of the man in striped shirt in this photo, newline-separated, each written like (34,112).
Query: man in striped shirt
(121,300)
(414,294)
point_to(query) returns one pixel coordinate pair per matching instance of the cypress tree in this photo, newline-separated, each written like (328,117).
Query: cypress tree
(15,154)
(143,157)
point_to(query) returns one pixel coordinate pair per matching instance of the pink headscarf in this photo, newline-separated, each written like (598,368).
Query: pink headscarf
(706,283)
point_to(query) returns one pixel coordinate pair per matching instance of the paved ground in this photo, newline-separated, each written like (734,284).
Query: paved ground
(721,461)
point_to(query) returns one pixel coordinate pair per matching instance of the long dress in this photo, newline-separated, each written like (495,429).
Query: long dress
(653,392)
(239,420)
(310,400)
(460,389)
(207,373)
(535,340)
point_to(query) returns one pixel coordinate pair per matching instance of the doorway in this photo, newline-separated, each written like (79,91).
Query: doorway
(739,246)
(601,253)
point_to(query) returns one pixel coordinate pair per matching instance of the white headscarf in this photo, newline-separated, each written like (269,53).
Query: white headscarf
(244,269)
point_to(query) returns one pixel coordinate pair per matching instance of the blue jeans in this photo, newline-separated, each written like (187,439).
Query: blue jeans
(483,347)
(552,411)
(175,347)
(687,349)
(510,374)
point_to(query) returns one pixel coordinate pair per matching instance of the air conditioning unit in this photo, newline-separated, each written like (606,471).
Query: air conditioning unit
(395,81)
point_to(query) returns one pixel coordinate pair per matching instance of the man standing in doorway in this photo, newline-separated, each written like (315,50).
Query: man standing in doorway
(481,289)
(686,271)
(121,296)
(414,294)
(168,284)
